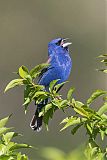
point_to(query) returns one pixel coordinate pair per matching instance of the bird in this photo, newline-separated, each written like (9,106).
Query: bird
(60,64)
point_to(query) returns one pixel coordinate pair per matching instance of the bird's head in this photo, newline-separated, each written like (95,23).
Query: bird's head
(58,44)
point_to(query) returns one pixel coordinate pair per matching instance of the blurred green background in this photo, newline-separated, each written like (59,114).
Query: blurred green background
(26,27)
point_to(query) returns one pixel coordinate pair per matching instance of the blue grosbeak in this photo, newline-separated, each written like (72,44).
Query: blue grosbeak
(60,68)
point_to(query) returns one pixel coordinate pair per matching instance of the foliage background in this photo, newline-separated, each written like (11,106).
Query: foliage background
(25,28)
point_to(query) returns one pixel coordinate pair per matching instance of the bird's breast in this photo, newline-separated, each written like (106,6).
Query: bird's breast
(63,65)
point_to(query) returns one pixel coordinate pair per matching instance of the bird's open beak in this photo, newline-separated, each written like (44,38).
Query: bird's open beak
(64,43)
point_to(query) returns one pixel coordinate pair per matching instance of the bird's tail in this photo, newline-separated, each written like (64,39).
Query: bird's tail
(36,122)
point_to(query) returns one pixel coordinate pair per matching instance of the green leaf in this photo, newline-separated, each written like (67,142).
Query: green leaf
(14,83)
(78,108)
(23,71)
(103,109)
(102,133)
(105,98)
(8,136)
(19,146)
(47,116)
(27,98)
(95,95)
(21,157)
(91,112)
(63,103)
(2,149)
(58,86)
(36,75)
(28,78)
(101,156)
(27,101)
(6,157)
(65,120)
(89,128)
(38,87)
(56,102)
(74,130)
(33,93)
(4,121)
(3,130)
(81,111)
(103,70)
(78,104)
(71,121)
(52,84)
(27,91)
(101,56)
(40,99)
(36,70)
(45,109)
(69,94)
(104,60)
(104,116)
(39,93)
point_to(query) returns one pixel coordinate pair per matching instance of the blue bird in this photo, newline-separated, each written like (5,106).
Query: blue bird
(60,68)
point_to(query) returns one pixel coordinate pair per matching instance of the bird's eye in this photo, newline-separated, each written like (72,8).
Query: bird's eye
(59,43)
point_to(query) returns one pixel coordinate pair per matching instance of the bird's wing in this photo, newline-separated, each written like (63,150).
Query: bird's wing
(44,70)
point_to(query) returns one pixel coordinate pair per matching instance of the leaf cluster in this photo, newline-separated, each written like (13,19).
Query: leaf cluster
(26,78)
(94,121)
(8,148)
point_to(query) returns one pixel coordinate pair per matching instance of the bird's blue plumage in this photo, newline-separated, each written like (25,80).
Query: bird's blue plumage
(60,64)
(60,68)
